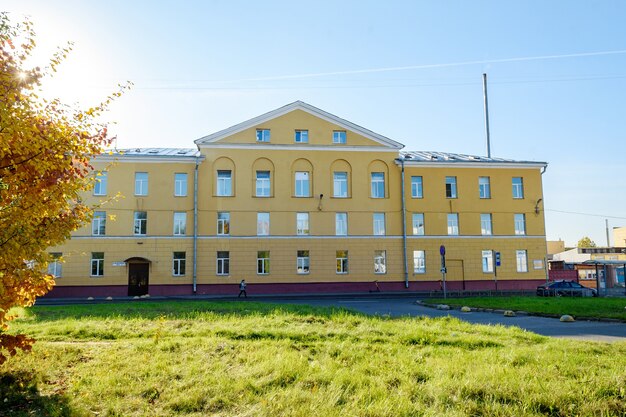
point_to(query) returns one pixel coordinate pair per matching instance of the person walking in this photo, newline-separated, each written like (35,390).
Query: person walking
(242,289)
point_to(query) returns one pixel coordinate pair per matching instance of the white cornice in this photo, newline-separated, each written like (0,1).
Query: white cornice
(299,105)
(296,147)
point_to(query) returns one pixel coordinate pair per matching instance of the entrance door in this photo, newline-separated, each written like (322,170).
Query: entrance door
(138,278)
(455,273)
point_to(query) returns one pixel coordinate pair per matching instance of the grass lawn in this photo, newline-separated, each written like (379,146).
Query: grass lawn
(256,359)
(614,308)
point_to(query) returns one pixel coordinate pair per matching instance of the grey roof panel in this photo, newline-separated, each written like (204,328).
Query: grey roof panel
(431,156)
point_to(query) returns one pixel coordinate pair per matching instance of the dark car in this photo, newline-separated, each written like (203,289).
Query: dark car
(565,288)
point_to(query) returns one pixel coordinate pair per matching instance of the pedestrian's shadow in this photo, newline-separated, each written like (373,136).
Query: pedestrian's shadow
(20,396)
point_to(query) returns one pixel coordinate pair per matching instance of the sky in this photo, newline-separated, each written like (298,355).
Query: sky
(409,70)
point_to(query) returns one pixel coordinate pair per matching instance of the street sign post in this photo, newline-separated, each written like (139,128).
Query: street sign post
(496,264)
(442,252)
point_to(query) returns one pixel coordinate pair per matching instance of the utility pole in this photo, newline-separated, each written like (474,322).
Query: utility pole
(486,115)
(608,244)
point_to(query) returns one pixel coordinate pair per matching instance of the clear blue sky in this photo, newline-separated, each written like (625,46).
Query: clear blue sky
(557,78)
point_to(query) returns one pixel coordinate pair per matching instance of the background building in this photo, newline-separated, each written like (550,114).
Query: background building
(300,200)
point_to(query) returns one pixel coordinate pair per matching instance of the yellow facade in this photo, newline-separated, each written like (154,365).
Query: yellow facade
(305,170)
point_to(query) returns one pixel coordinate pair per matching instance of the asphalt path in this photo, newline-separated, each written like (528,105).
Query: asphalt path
(398,307)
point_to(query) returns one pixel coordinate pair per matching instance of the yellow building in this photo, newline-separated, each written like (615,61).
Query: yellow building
(298,200)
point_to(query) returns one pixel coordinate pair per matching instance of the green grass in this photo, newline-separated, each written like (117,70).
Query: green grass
(614,308)
(255,359)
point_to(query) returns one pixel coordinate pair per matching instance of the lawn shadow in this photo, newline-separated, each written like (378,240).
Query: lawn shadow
(20,396)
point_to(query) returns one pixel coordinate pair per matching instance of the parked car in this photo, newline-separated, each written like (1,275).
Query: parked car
(565,288)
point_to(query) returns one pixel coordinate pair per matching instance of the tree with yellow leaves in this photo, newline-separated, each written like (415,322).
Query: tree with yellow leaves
(45,149)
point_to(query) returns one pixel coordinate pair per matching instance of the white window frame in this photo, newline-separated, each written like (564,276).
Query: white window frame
(484,187)
(339,137)
(263,135)
(451,187)
(301,136)
(263,184)
(341,224)
(377,184)
(378,224)
(302,184)
(303,262)
(302,224)
(519,221)
(340,184)
(98,223)
(180,184)
(380,262)
(521,260)
(417,186)
(55,266)
(140,223)
(487,261)
(97,260)
(263,224)
(179,264)
(419,262)
(180,223)
(222,263)
(100,186)
(141,183)
(453,224)
(486,224)
(342,262)
(517,187)
(263,262)
(417,219)
(224,183)
(223,223)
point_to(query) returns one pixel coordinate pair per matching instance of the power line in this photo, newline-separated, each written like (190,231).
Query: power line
(587,214)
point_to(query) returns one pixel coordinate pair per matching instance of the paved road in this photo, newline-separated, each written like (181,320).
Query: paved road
(586,330)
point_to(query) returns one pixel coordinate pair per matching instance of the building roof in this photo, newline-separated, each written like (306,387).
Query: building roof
(299,105)
(446,158)
(151,154)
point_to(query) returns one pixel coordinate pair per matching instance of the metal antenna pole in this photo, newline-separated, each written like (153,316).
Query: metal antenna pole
(486,115)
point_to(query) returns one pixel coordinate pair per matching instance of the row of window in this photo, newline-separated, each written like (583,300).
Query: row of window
(302,185)
(303,263)
(300,136)
(140,224)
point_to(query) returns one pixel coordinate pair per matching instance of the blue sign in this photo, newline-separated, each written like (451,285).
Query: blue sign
(497,258)
(442,250)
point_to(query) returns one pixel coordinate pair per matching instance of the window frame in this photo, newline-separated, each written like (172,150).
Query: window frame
(222,263)
(224,184)
(303,227)
(517,188)
(101,182)
(415,225)
(305,179)
(263,135)
(140,223)
(378,224)
(340,137)
(260,223)
(180,184)
(99,218)
(223,223)
(179,264)
(484,187)
(419,262)
(521,267)
(453,228)
(141,179)
(301,136)
(451,187)
(263,184)
(263,263)
(417,186)
(303,262)
(342,262)
(340,185)
(487,261)
(486,219)
(519,224)
(98,257)
(55,266)
(178,215)
(378,255)
(377,184)
(341,223)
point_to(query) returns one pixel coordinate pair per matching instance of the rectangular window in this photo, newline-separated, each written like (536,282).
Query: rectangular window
(379,224)
(419,261)
(520,224)
(223,263)
(340,184)
(521,260)
(417,190)
(262,183)
(97,264)
(302,223)
(55,267)
(100,186)
(487,261)
(518,187)
(378,185)
(140,223)
(485,224)
(341,224)
(380,262)
(302,262)
(180,223)
(339,136)
(180,185)
(141,183)
(342,261)
(453,223)
(451,187)
(262,135)
(418,224)
(263,262)
(178,263)
(98,224)
(302,136)
(224,183)
(484,187)
(262,224)
(223,223)
(302,184)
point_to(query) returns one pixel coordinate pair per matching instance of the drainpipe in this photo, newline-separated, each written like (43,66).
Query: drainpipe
(406,265)
(543,214)
(195,226)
